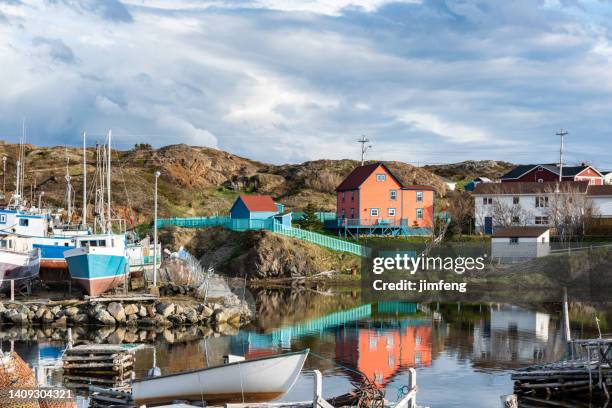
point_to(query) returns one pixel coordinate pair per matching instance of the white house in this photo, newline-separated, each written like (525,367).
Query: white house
(601,197)
(532,203)
(607,177)
(520,243)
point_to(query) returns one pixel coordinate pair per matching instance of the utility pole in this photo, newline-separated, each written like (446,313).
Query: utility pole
(561,133)
(157,174)
(364,147)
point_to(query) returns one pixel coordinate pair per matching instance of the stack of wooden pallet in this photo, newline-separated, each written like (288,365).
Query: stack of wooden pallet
(104,365)
(588,373)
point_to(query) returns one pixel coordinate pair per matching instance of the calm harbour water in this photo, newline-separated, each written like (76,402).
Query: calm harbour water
(460,352)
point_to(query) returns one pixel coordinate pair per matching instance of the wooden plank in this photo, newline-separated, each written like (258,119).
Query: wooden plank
(123,298)
(109,391)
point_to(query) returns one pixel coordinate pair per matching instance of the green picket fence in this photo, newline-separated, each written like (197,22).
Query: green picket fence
(321,240)
(269,224)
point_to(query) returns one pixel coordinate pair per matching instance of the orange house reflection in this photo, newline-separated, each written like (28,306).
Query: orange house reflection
(380,353)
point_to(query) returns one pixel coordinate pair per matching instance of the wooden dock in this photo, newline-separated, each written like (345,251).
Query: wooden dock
(586,374)
(104,365)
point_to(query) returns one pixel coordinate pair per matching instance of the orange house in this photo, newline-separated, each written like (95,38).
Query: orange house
(372,196)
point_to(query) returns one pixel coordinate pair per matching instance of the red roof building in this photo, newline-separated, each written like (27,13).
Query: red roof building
(372,196)
(550,172)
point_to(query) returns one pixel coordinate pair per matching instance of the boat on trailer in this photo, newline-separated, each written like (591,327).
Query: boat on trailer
(17,261)
(258,380)
(98,263)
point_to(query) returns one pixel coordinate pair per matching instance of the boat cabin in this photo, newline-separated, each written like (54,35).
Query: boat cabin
(21,223)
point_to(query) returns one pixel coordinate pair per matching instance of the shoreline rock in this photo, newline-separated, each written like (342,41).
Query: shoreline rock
(124,313)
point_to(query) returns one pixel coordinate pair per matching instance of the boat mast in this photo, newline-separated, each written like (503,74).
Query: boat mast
(68,188)
(17,187)
(84,219)
(108,182)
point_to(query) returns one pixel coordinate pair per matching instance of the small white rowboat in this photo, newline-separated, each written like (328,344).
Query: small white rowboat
(258,380)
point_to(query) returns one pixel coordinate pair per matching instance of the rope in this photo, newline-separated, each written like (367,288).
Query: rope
(400,391)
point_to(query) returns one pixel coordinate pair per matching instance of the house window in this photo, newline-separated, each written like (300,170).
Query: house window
(352,213)
(540,180)
(352,196)
(24,222)
(2,218)
(391,212)
(342,213)
(343,196)
(381,177)
(419,196)
(516,200)
(393,194)
(487,201)
(541,201)
(419,213)
(373,212)
(541,220)
(514,240)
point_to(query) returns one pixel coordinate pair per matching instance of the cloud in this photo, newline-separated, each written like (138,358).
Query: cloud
(56,49)
(451,131)
(283,81)
(113,10)
(328,7)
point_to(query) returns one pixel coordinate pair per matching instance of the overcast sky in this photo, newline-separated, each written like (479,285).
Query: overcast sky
(289,80)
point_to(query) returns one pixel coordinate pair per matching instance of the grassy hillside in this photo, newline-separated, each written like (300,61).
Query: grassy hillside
(470,169)
(194,180)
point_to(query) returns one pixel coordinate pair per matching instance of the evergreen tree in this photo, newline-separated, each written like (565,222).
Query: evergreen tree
(310,221)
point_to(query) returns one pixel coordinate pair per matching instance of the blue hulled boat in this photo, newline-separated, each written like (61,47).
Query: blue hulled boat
(99,262)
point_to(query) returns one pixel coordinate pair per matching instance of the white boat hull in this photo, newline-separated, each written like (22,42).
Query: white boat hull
(258,380)
(18,266)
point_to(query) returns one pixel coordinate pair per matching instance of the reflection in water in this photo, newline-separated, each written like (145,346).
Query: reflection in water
(461,352)
(514,336)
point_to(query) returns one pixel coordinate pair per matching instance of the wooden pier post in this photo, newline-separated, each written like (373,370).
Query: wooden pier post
(566,323)
(12,290)
(409,400)
(317,399)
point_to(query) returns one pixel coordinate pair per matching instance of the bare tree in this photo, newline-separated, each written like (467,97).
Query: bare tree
(507,214)
(568,209)
(461,210)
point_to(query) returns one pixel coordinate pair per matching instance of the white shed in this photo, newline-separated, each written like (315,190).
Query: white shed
(520,243)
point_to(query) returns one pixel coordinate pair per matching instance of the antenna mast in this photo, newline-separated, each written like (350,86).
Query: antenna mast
(561,133)
(364,147)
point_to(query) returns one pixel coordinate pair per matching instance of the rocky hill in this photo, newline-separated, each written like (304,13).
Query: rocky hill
(467,170)
(194,180)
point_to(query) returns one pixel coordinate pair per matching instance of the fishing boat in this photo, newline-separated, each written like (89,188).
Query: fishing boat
(17,262)
(257,380)
(98,263)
